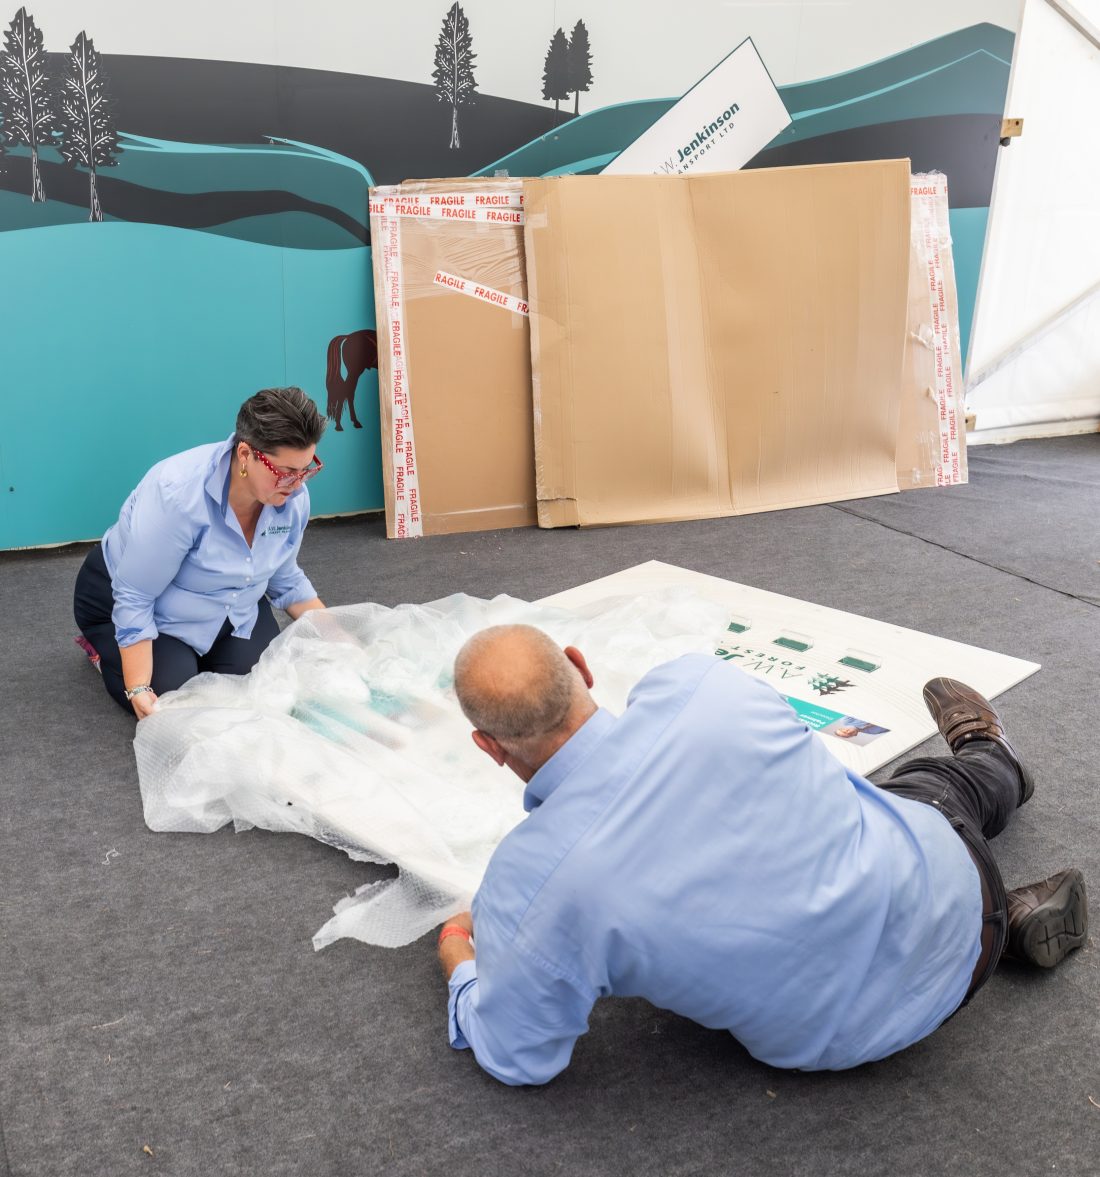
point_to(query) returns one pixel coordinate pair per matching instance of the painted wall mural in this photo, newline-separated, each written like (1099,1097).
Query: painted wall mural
(454,67)
(66,109)
(209,218)
(568,68)
(349,356)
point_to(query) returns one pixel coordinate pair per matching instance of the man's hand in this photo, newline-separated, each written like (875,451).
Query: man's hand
(454,947)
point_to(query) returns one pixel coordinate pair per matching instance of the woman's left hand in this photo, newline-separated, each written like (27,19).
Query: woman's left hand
(144,704)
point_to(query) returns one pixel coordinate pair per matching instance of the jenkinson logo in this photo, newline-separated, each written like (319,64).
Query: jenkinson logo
(703,140)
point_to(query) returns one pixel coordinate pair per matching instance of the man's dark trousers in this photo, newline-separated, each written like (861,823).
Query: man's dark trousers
(977,790)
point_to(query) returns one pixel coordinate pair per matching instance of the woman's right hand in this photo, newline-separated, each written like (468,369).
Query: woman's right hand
(143,704)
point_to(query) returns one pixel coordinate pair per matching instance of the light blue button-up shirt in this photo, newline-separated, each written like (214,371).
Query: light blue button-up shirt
(706,852)
(180,564)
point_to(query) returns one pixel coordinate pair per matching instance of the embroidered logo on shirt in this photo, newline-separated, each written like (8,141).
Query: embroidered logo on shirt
(277,529)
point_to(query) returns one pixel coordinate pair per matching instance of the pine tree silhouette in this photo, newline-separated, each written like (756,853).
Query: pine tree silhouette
(26,104)
(555,72)
(87,130)
(828,684)
(454,66)
(579,64)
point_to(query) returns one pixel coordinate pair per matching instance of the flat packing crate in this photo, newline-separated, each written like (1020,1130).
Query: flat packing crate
(454,356)
(722,344)
(617,349)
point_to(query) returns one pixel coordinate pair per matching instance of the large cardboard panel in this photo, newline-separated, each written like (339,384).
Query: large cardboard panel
(716,344)
(454,363)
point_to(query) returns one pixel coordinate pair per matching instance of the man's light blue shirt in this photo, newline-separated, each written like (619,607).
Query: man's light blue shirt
(179,562)
(706,852)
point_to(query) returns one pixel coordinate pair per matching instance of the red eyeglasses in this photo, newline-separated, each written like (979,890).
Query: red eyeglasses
(290,477)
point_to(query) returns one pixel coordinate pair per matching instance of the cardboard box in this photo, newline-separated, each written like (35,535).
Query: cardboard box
(455,360)
(454,366)
(716,344)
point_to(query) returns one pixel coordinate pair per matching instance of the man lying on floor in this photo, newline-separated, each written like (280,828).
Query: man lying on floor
(706,852)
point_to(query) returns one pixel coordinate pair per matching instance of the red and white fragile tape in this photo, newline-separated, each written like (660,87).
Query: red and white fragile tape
(408,519)
(929,196)
(485,208)
(483,293)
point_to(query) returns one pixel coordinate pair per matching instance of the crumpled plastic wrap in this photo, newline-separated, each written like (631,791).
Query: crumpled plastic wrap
(348,730)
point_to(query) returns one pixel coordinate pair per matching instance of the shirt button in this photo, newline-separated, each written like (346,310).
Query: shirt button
(249,559)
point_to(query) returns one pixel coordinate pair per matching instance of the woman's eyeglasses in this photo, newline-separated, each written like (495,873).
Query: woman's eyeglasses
(291,477)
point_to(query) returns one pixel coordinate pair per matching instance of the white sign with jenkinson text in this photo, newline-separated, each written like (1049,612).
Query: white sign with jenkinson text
(718,125)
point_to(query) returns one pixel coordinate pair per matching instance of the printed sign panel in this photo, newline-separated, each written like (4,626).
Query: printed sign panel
(718,125)
(854,681)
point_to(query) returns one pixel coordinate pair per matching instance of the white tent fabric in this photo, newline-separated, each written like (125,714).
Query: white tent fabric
(348,730)
(1034,362)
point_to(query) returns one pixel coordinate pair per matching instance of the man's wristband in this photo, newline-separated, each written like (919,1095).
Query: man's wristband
(452,930)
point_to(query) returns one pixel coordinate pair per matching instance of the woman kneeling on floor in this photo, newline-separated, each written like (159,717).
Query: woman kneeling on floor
(182,582)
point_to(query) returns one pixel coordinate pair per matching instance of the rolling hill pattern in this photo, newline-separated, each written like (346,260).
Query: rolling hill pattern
(87,136)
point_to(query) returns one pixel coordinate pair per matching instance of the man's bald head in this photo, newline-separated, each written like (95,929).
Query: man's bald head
(518,686)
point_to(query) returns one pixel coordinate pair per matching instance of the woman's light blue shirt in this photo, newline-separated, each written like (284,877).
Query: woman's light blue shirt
(179,562)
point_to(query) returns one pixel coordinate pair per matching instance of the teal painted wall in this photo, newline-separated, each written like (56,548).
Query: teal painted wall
(967,242)
(157,334)
(229,259)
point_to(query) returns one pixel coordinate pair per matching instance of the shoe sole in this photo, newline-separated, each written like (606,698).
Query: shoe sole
(1058,926)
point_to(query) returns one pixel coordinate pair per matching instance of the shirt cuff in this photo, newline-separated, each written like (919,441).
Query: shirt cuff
(301,590)
(131,637)
(133,626)
(462,979)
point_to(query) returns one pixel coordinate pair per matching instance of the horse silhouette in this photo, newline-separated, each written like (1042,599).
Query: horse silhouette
(354,354)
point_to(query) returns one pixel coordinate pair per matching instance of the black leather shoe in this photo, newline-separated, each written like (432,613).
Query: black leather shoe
(1048,920)
(963,715)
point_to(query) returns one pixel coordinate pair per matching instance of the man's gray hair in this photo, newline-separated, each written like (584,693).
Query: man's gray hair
(514,712)
(279,417)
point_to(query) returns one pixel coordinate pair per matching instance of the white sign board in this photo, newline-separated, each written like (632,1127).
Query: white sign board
(718,125)
(855,681)
(348,730)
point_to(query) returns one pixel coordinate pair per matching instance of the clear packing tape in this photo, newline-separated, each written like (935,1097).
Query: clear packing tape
(348,731)
(460,228)
(453,341)
(931,446)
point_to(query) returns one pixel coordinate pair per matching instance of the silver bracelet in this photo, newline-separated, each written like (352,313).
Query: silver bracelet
(130,692)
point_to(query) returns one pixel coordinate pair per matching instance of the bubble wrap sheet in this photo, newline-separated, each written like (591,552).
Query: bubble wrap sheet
(348,730)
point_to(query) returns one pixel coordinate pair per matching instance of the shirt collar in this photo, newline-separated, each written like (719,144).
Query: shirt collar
(577,748)
(217,481)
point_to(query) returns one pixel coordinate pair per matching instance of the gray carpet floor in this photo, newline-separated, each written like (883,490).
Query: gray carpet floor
(162,1010)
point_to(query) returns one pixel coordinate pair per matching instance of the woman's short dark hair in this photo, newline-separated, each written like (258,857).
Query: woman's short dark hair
(278,417)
